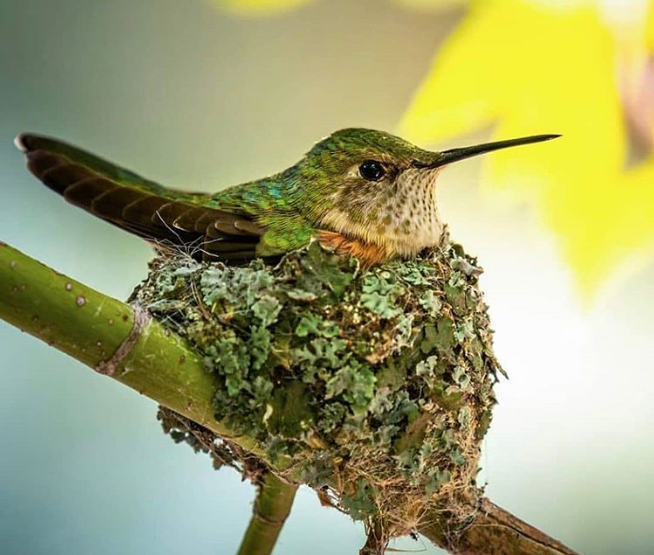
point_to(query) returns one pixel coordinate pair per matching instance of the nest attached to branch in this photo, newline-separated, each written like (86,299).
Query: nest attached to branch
(373,387)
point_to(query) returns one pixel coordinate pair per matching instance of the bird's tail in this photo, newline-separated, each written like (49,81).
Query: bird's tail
(138,205)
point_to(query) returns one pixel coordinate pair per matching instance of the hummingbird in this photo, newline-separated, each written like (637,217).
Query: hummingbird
(359,192)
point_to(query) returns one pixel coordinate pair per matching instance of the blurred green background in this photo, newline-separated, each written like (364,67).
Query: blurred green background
(200,98)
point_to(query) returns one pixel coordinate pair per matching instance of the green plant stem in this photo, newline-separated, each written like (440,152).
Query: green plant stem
(109,336)
(122,342)
(272,506)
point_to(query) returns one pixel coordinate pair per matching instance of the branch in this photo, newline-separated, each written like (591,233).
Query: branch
(493,531)
(272,506)
(122,342)
(110,337)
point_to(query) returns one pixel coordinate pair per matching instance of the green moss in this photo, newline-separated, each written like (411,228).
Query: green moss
(380,381)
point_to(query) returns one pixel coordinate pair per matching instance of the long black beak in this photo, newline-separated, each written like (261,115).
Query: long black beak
(456,154)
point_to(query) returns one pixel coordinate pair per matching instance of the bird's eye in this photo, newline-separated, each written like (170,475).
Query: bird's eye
(372,170)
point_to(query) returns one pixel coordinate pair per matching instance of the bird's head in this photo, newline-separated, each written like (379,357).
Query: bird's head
(379,187)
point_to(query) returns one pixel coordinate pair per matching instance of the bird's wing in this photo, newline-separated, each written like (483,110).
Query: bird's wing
(164,216)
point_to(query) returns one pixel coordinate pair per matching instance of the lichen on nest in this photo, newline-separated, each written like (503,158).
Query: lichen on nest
(373,386)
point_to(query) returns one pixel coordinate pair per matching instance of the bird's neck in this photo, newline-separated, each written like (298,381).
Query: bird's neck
(401,221)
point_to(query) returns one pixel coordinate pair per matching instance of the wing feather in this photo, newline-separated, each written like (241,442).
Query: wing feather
(138,205)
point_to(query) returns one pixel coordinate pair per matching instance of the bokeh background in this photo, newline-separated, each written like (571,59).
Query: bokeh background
(203,94)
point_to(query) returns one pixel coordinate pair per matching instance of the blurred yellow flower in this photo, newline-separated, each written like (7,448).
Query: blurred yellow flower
(268,7)
(544,66)
(259,7)
(431,4)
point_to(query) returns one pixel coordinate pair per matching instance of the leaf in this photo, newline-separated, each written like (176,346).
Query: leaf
(414,434)
(312,324)
(266,309)
(291,415)
(431,303)
(379,294)
(355,383)
(360,505)
(502,66)
(438,337)
(309,325)
(325,273)
(437,480)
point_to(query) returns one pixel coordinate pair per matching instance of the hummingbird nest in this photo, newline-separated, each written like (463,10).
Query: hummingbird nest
(374,387)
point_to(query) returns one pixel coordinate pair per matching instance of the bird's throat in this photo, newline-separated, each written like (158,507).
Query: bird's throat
(378,224)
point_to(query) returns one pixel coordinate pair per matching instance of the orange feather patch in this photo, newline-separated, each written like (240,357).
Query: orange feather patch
(368,254)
